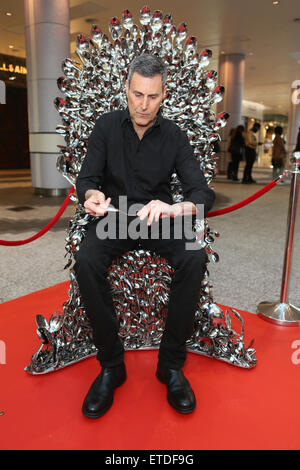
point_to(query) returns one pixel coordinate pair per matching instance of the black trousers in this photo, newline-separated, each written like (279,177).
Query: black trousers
(236,158)
(250,156)
(92,262)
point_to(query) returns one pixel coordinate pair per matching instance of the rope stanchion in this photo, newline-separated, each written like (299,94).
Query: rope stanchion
(210,214)
(45,229)
(282,312)
(249,199)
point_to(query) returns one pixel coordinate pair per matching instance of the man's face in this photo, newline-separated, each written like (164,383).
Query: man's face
(144,97)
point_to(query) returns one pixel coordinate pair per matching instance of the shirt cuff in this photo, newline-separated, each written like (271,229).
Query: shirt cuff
(206,200)
(81,190)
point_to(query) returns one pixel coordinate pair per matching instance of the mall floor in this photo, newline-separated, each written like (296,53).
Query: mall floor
(251,244)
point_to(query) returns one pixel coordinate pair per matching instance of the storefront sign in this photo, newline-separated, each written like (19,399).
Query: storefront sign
(13,68)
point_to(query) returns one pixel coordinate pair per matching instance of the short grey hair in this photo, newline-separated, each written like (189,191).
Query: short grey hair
(148,65)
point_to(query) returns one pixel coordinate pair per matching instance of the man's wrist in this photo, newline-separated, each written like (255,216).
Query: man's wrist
(176,210)
(90,193)
(184,208)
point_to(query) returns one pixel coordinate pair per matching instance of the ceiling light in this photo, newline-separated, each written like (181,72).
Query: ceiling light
(11,46)
(12,78)
(276,2)
(8,13)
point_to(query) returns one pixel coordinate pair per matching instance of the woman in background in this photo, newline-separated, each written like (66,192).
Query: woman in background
(237,147)
(251,144)
(278,152)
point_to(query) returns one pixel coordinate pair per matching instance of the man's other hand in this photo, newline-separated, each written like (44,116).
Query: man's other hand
(95,203)
(158,209)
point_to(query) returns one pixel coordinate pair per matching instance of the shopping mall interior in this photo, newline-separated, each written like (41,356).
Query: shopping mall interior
(254,258)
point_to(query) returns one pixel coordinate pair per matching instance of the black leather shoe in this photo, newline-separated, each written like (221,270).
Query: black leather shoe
(180,394)
(101,393)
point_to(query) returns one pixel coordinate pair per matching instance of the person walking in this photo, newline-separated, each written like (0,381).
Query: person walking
(251,142)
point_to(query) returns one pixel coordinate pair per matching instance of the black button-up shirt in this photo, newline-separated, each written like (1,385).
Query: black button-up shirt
(121,164)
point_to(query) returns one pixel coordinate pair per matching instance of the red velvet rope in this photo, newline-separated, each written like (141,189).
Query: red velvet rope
(246,201)
(210,214)
(46,228)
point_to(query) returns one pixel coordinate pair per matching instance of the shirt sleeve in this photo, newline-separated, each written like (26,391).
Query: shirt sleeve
(194,186)
(91,175)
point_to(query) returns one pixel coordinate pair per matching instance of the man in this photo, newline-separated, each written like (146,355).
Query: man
(279,153)
(251,144)
(133,153)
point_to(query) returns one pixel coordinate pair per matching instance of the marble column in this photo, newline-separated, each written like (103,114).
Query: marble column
(2,92)
(231,75)
(47,30)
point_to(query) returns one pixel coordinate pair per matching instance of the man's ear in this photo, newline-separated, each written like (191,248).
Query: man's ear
(165,92)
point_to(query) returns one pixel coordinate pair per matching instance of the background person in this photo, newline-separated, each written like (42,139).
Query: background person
(237,148)
(251,145)
(278,153)
(297,148)
(229,166)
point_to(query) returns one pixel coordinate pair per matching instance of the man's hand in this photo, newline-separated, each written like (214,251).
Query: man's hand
(95,203)
(158,209)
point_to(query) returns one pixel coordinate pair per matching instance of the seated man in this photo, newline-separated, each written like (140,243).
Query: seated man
(133,153)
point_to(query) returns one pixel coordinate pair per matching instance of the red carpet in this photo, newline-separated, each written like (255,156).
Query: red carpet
(236,408)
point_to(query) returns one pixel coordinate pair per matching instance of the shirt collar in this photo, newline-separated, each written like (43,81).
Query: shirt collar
(126,117)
